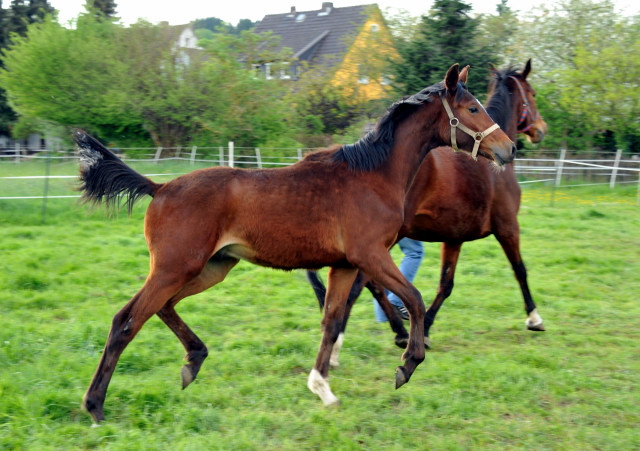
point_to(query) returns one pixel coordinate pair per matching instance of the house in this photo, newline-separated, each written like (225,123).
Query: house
(184,43)
(353,44)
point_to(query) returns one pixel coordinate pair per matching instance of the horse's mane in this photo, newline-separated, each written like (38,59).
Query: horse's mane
(373,149)
(499,104)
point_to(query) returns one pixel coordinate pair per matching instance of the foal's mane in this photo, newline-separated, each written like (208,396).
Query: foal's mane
(499,104)
(373,149)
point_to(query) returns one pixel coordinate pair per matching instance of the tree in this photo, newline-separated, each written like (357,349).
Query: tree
(61,75)
(132,84)
(101,8)
(15,20)
(447,35)
(586,72)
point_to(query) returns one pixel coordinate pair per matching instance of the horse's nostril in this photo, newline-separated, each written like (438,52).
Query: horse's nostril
(514,149)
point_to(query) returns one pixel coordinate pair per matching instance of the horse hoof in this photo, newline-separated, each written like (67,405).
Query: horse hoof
(94,410)
(427,343)
(187,376)
(334,363)
(401,377)
(402,342)
(536,327)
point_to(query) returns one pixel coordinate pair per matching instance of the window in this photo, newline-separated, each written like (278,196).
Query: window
(374,27)
(284,72)
(363,78)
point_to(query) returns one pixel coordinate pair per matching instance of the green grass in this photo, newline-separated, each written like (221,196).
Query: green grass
(488,383)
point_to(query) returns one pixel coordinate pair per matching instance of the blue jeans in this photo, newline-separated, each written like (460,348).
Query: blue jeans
(413,252)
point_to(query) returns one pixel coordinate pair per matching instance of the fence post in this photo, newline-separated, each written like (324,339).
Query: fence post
(47,172)
(299,154)
(614,171)
(18,151)
(638,199)
(221,159)
(258,158)
(560,165)
(194,149)
(158,153)
(230,154)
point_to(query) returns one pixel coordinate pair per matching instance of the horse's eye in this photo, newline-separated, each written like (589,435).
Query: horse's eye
(473,109)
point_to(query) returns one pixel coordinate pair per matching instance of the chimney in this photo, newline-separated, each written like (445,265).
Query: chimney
(293,10)
(326,8)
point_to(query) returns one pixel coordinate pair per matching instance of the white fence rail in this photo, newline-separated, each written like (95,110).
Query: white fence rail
(557,167)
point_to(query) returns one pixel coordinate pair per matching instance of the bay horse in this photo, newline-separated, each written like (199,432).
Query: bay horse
(341,207)
(454,200)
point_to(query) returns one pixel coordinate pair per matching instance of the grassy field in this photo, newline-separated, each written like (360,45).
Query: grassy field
(488,383)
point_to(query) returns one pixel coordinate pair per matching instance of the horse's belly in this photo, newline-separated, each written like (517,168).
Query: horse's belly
(441,226)
(286,257)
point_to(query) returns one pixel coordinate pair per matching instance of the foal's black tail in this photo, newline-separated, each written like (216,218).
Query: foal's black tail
(105,178)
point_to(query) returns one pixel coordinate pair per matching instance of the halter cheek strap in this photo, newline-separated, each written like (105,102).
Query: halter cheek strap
(455,124)
(525,109)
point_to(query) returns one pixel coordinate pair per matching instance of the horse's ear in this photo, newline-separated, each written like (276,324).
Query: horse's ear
(464,73)
(527,69)
(451,79)
(493,69)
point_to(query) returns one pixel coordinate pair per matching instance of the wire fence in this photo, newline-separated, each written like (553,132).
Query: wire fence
(44,174)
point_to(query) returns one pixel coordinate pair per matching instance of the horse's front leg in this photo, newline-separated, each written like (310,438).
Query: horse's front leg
(381,268)
(339,283)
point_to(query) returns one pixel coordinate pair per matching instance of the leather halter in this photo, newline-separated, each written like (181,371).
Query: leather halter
(455,123)
(525,109)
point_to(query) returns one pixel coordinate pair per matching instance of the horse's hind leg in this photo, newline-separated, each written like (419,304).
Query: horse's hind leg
(196,349)
(511,246)
(213,273)
(450,252)
(395,321)
(339,282)
(125,325)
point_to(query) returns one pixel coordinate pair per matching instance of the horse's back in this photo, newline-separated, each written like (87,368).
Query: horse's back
(258,215)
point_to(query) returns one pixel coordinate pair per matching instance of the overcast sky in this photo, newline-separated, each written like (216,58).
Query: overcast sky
(184,11)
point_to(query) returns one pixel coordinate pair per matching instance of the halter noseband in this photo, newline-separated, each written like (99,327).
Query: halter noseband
(525,109)
(455,123)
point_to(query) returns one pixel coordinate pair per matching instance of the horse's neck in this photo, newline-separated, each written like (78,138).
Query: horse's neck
(507,122)
(411,147)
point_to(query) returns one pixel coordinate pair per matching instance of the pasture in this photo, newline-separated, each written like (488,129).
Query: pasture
(487,383)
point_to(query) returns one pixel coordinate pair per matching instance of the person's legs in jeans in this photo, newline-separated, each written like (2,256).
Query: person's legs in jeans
(413,252)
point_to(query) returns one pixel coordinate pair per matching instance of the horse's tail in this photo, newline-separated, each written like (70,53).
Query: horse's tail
(105,178)
(318,287)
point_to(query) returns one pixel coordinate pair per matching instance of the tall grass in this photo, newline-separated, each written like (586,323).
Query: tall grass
(488,382)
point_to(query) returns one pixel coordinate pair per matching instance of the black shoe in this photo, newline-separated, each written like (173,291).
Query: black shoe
(401,310)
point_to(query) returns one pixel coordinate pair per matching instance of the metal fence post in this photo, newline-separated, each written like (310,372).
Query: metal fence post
(258,158)
(560,165)
(47,173)
(638,199)
(194,149)
(18,151)
(299,154)
(230,154)
(614,171)
(221,157)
